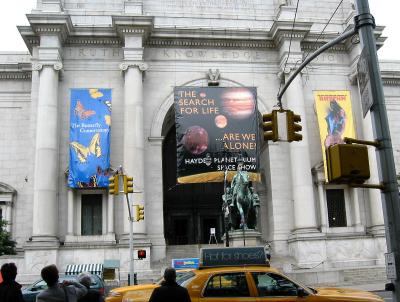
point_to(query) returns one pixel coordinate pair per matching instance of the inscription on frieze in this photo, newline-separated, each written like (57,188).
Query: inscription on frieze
(209,55)
(92,53)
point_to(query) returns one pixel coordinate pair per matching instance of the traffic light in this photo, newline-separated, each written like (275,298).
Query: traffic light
(113,185)
(141,254)
(128,184)
(347,163)
(293,128)
(139,212)
(270,126)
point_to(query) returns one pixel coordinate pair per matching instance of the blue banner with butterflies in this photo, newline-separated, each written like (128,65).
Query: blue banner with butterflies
(90,121)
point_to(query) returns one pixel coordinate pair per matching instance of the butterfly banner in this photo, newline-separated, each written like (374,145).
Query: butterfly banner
(90,121)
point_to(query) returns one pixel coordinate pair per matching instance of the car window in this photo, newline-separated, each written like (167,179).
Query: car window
(181,278)
(270,284)
(41,285)
(227,285)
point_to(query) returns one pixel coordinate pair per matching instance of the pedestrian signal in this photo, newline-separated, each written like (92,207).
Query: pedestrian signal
(293,126)
(347,164)
(113,185)
(139,212)
(141,254)
(270,126)
(128,184)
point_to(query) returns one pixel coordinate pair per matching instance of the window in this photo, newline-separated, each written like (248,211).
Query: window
(269,284)
(336,208)
(91,214)
(227,285)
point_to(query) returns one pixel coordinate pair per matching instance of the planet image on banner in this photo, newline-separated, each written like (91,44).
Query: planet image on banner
(238,103)
(195,140)
(221,121)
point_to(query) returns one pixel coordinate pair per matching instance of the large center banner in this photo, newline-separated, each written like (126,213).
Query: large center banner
(216,127)
(335,118)
(90,121)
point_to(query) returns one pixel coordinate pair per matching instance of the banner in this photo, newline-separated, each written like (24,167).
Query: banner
(335,118)
(215,127)
(90,121)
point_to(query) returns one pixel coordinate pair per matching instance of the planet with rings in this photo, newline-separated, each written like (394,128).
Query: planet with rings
(195,140)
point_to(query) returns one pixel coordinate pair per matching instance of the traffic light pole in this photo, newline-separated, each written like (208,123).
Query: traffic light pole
(364,25)
(380,122)
(131,258)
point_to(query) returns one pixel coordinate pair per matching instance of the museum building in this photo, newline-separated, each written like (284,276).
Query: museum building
(140,51)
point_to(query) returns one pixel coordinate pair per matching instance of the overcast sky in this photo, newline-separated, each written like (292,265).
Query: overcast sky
(12,13)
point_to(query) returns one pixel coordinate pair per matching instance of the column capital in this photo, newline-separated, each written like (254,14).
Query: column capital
(142,66)
(39,66)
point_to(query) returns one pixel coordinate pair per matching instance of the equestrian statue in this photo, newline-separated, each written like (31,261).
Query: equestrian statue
(240,203)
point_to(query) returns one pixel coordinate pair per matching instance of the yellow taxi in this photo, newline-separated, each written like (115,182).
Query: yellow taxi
(117,294)
(242,275)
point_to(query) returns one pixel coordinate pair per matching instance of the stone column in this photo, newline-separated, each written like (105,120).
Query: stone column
(8,217)
(110,214)
(302,186)
(375,197)
(134,137)
(45,197)
(322,206)
(70,212)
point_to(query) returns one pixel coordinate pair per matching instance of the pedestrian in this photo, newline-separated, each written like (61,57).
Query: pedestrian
(68,291)
(92,294)
(169,289)
(10,291)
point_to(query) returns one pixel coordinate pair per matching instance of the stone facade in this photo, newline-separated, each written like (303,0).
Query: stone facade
(141,49)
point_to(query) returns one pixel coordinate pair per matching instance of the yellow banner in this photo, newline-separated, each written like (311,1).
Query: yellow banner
(335,118)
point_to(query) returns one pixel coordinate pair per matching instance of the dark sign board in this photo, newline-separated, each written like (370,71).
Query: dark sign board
(216,126)
(232,256)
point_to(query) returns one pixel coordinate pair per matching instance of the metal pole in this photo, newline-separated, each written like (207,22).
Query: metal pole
(315,54)
(391,209)
(131,258)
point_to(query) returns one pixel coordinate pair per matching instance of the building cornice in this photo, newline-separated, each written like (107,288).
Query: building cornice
(282,30)
(133,25)
(16,71)
(212,43)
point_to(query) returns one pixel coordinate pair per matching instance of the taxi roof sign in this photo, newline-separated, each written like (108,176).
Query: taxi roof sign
(232,256)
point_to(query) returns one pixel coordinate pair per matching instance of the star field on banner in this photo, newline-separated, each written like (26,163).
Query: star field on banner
(215,126)
(90,121)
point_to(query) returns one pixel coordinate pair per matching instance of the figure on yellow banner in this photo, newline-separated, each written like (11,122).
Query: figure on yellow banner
(336,124)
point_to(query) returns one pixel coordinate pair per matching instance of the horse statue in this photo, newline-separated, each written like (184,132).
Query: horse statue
(243,203)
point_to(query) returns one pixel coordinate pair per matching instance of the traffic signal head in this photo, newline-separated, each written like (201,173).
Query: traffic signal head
(141,254)
(128,184)
(293,126)
(347,163)
(113,185)
(270,126)
(139,212)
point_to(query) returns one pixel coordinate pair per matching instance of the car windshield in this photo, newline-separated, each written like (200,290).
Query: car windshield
(180,277)
(41,285)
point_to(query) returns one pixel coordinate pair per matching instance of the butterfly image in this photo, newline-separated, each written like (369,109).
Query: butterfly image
(107,119)
(105,172)
(95,93)
(81,112)
(108,104)
(83,152)
(91,184)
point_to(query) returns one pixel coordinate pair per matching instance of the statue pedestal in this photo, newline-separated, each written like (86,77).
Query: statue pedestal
(244,238)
